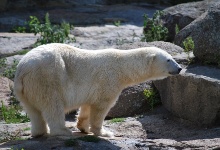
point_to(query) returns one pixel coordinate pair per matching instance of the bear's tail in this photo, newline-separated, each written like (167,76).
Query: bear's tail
(18,85)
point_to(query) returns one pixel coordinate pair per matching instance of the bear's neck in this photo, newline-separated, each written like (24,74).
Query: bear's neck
(133,68)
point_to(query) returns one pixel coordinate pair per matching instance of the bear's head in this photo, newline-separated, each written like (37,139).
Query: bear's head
(163,64)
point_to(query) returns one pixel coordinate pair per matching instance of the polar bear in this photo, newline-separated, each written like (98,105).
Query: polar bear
(54,79)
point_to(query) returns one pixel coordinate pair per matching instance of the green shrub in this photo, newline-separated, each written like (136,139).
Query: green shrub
(153,97)
(12,114)
(27,129)
(153,28)
(10,71)
(117,23)
(50,33)
(3,63)
(188,44)
(24,51)
(19,29)
(177,29)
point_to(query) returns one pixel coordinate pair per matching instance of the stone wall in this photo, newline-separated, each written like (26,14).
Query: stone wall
(14,5)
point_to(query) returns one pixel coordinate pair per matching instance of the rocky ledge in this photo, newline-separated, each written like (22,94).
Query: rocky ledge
(193,95)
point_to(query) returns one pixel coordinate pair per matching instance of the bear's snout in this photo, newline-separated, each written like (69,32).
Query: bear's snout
(179,69)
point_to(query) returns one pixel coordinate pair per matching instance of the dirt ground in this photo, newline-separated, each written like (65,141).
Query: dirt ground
(157,129)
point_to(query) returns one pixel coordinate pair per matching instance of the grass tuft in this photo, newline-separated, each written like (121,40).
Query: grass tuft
(117,120)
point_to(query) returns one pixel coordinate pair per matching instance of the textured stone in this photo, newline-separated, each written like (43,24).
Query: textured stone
(169,47)
(13,5)
(184,14)
(6,86)
(78,15)
(13,43)
(131,102)
(3,5)
(205,32)
(193,95)
(177,52)
(154,131)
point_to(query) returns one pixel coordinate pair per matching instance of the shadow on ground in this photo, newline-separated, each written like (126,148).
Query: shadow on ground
(160,124)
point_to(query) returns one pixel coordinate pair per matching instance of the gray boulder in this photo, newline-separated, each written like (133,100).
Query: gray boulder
(205,32)
(193,95)
(131,102)
(76,14)
(14,43)
(176,51)
(169,47)
(184,14)
(12,5)
(6,86)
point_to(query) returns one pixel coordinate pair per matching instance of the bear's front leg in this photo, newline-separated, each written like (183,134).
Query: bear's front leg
(83,119)
(97,116)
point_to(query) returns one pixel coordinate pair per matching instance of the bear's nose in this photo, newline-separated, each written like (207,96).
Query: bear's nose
(179,69)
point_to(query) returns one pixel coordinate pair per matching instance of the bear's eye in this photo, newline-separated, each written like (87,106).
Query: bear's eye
(168,60)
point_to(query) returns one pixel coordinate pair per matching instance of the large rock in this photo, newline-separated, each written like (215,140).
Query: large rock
(169,47)
(205,32)
(3,5)
(78,14)
(105,36)
(6,86)
(13,43)
(131,102)
(184,14)
(176,51)
(12,5)
(193,95)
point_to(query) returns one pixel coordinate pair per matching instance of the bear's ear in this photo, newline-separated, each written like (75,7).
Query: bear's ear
(151,59)
(153,55)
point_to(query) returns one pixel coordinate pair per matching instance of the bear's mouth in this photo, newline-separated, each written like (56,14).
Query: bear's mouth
(175,72)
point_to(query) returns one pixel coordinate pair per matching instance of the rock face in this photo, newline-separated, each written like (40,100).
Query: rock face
(131,102)
(184,14)
(177,52)
(8,5)
(193,95)
(5,90)
(12,44)
(205,33)
(169,47)
(76,14)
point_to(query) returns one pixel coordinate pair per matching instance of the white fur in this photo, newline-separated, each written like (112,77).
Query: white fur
(54,79)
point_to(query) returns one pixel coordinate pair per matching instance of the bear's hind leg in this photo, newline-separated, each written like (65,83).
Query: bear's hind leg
(55,117)
(38,125)
(97,116)
(83,119)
